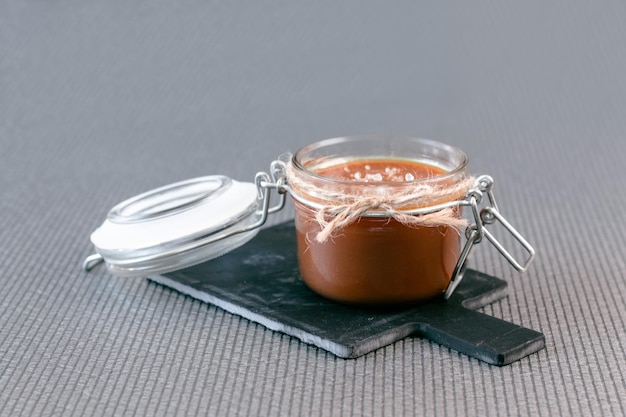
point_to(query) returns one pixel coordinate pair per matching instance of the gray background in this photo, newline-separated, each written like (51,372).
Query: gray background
(103,100)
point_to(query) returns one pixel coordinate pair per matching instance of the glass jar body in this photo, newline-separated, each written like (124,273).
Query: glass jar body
(375,259)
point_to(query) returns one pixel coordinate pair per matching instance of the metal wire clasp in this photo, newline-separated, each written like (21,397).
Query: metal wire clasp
(265,182)
(476,231)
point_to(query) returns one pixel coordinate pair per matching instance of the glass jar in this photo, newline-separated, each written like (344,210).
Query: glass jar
(378,220)
(377,257)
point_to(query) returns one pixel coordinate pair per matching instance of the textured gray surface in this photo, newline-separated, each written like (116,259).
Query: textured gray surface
(102,100)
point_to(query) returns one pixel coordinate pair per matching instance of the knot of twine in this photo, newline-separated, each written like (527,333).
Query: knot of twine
(346,208)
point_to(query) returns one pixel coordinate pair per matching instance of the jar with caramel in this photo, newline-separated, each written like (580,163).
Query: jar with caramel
(378,219)
(356,242)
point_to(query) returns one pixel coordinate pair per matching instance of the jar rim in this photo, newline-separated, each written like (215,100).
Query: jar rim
(442,147)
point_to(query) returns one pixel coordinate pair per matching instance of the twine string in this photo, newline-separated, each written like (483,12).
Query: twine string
(343,207)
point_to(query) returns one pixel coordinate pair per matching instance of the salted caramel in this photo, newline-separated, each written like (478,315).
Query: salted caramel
(380,170)
(376,260)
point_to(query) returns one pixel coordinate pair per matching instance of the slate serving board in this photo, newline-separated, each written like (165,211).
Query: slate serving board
(260,281)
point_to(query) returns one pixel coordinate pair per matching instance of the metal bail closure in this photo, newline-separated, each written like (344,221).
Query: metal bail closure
(475,232)
(178,225)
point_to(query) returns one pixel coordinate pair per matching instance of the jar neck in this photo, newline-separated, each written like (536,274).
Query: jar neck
(408,172)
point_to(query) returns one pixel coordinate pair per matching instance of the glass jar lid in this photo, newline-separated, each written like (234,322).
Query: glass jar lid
(177,226)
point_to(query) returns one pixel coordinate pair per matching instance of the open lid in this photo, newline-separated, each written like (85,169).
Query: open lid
(177,226)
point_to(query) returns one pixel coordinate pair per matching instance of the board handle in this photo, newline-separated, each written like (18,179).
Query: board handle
(483,337)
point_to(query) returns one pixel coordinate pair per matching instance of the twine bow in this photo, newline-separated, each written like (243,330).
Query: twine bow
(343,208)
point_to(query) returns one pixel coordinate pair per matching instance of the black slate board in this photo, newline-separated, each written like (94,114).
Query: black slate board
(260,281)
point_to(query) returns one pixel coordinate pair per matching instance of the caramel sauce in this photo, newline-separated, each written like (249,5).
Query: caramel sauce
(377,261)
(380,170)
